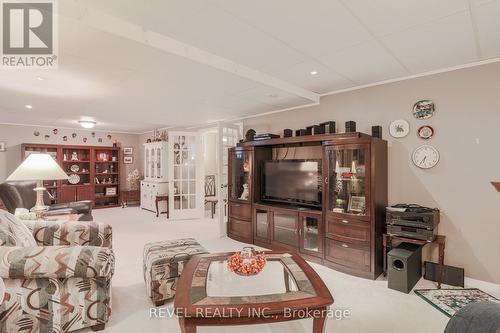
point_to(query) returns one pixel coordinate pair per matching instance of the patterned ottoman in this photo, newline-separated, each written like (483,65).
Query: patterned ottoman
(163,264)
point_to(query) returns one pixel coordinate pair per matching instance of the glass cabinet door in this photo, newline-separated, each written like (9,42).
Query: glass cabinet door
(262,223)
(158,162)
(310,233)
(146,164)
(285,228)
(240,179)
(348,179)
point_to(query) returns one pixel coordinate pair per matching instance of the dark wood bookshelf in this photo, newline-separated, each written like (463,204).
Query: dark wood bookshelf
(88,159)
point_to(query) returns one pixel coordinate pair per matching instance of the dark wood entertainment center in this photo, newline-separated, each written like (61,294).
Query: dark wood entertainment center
(345,233)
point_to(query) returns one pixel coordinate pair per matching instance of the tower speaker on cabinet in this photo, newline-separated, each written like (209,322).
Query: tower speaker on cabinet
(404,267)
(329,127)
(300,132)
(287,133)
(319,129)
(377,132)
(350,126)
(309,130)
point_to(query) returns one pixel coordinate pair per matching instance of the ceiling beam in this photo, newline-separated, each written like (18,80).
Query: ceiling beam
(122,28)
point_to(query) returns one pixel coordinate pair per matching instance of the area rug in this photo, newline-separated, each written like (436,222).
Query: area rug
(449,301)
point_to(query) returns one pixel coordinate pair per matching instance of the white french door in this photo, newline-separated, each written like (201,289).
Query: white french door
(185,170)
(228,136)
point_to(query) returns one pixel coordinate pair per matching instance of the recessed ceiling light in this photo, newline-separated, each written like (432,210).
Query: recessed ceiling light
(87,123)
(314,72)
(28,106)
(41,78)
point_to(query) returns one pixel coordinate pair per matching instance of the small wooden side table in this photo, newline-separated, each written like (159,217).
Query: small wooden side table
(440,240)
(130,196)
(161,197)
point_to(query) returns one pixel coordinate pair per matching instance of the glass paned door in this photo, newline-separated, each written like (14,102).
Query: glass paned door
(348,171)
(228,137)
(185,176)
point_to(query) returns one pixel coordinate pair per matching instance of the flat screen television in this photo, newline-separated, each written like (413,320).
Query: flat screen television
(292,181)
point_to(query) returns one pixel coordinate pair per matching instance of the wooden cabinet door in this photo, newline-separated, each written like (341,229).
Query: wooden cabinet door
(67,194)
(84,193)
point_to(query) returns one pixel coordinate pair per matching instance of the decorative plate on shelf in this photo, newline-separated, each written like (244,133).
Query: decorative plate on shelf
(425,132)
(399,128)
(75,168)
(74,179)
(423,109)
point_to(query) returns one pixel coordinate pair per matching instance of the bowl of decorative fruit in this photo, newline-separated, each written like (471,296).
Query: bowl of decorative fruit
(247,262)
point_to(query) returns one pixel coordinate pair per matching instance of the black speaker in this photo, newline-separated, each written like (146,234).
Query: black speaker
(319,129)
(404,267)
(287,133)
(377,132)
(350,126)
(300,132)
(329,127)
(309,130)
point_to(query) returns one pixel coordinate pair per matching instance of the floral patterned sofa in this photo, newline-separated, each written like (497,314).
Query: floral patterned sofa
(57,276)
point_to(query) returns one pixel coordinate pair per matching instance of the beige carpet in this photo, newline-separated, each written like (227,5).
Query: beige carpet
(374,308)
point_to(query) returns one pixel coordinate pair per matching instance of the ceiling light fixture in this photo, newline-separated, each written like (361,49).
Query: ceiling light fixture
(314,72)
(28,106)
(87,123)
(41,78)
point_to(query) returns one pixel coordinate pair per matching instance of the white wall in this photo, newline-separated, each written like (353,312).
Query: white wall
(466,133)
(15,135)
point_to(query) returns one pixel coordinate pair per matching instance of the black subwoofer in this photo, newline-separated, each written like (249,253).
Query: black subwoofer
(404,267)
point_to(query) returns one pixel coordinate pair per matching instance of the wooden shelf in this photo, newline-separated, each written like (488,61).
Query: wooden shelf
(105,196)
(106,161)
(113,184)
(105,173)
(79,161)
(77,173)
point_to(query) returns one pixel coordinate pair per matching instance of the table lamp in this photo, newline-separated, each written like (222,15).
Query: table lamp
(38,167)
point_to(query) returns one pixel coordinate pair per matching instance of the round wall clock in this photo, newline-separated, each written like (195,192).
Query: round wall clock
(399,128)
(425,157)
(425,132)
(423,109)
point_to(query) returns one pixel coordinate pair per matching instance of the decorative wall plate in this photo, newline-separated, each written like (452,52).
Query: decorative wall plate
(425,132)
(423,109)
(75,168)
(74,179)
(399,128)
(425,157)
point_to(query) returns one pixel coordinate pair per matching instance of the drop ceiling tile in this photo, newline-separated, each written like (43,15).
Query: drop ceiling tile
(271,96)
(220,33)
(365,63)
(314,28)
(487,21)
(325,80)
(384,17)
(440,44)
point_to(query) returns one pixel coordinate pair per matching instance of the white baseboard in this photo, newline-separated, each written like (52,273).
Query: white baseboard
(488,287)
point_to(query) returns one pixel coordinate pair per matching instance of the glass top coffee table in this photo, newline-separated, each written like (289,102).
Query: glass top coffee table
(208,293)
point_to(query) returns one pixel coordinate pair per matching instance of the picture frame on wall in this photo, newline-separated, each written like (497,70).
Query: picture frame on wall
(2,146)
(357,204)
(128,159)
(128,150)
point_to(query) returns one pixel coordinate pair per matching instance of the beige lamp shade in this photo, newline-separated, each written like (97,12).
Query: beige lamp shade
(38,167)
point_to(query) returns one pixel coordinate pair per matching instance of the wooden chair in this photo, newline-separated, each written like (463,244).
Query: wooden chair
(210,193)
